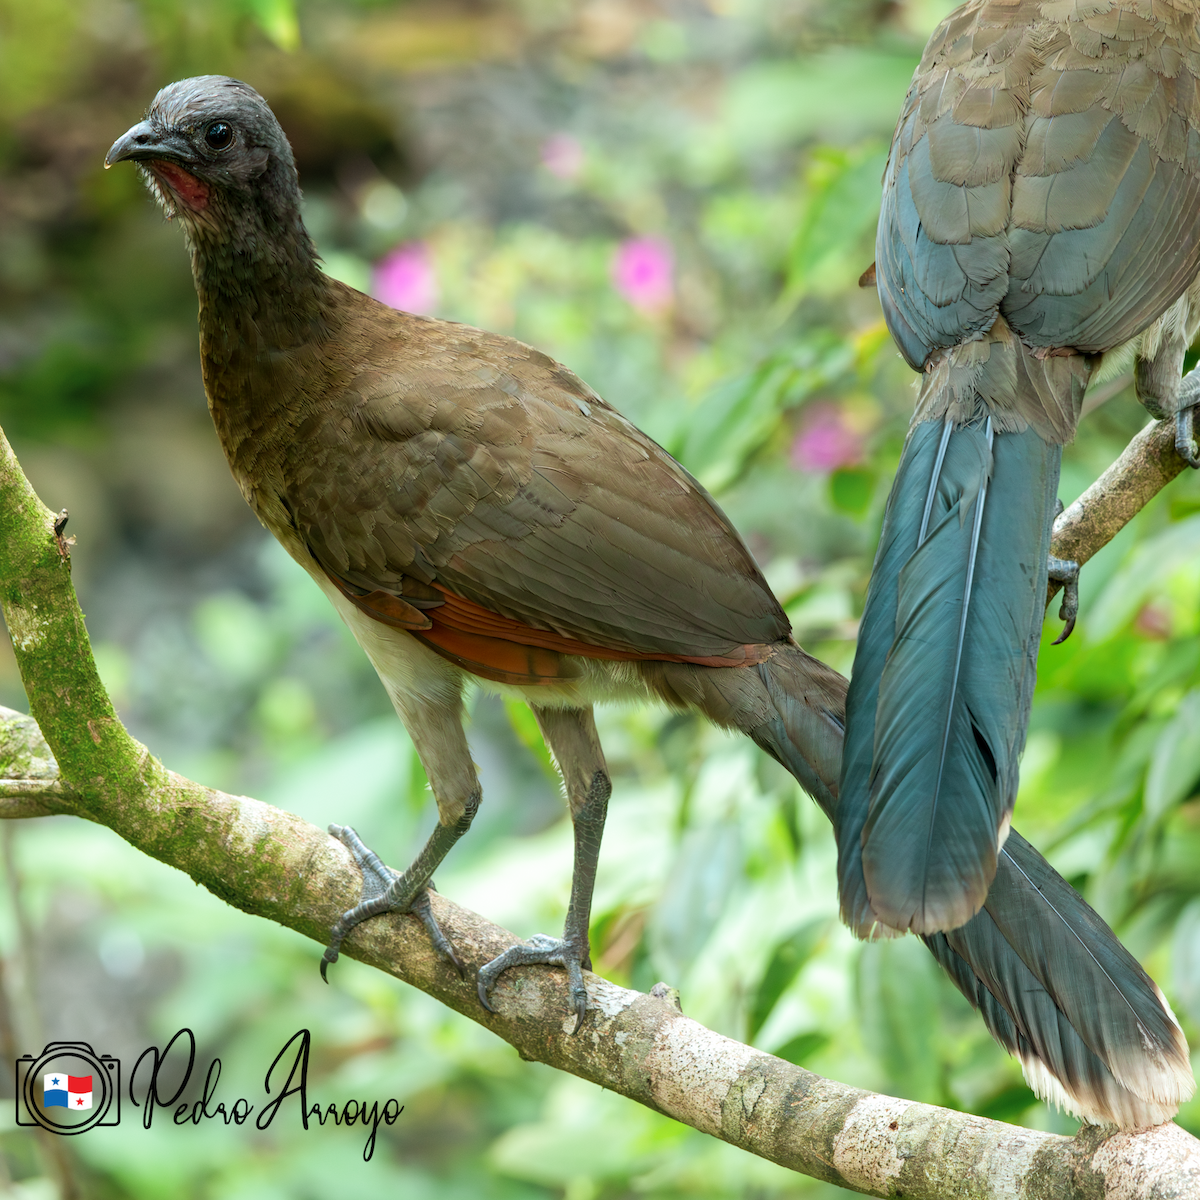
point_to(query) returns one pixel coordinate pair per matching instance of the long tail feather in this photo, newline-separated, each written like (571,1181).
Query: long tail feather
(805,733)
(944,676)
(1053,984)
(1055,987)
(875,634)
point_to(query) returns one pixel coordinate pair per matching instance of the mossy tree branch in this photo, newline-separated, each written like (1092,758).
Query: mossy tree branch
(270,863)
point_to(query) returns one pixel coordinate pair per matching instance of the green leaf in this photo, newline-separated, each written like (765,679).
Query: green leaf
(830,250)
(1009,1104)
(800,1049)
(732,421)
(739,417)
(1142,576)
(851,489)
(347,268)
(704,876)
(789,957)
(844,93)
(1185,962)
(277,19)
(1175,766)
(235,634)
(286,707)
(898,1003)
(524,725)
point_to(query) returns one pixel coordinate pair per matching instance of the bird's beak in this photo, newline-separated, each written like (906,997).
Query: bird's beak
(143,142)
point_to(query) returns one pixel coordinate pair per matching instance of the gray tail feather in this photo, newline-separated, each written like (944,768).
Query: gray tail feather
(1058,990)
(943,675)
(806,730)
(1053,984)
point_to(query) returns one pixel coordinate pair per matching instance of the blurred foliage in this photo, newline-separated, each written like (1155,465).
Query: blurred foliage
(518,145)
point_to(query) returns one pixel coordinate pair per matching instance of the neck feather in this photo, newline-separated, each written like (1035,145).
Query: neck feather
(256,272)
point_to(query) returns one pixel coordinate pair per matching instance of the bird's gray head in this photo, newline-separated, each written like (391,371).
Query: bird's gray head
(212,151)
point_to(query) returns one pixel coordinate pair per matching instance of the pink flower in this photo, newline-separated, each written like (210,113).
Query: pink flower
(826,441)
(405,278)
(641,272)
(562,156)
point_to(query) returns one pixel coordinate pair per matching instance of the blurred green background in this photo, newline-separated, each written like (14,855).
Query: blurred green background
(675,198)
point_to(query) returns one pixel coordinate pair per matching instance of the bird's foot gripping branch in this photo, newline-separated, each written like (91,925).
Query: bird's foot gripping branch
(269,863)
(384,890)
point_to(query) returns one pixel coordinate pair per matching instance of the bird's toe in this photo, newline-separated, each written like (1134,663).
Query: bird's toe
(1185,437)
(384,890)
(1066,572)
(541,950)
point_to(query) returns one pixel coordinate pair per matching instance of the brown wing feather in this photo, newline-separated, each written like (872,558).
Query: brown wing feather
(383,606)
(484,467)
(461,616)
(505,650)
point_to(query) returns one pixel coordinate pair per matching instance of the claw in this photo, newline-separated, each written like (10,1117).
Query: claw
(382,893)
(482,989)
(422,909)
(541,950)
(1066,572)
(1185,438)
(580,1014)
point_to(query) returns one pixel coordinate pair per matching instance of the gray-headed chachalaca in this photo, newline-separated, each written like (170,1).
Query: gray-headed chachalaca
(1041,207)
(472,509)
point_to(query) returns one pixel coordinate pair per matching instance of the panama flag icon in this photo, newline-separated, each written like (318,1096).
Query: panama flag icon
(67,1091)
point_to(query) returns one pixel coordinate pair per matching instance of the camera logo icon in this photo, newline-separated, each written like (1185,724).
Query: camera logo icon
(68,1088)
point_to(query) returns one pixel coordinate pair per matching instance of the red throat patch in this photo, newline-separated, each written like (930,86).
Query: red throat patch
(184,186)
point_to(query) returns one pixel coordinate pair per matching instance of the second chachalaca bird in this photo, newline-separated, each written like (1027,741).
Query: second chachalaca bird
(473,510)
(1041,207)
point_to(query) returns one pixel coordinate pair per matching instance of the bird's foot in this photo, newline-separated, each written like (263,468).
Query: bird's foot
(1185,436)
(1187,401)
(384,890)
(542,950)
(1066,572)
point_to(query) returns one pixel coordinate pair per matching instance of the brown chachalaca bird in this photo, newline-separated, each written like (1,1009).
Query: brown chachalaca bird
(473,510)
(1041,208)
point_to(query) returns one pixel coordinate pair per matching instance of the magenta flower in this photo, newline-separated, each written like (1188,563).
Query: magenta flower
(406,278)
(562,156)
(641,272)
(826,441)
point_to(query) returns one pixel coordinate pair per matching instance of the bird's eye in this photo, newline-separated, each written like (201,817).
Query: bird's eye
(219,135)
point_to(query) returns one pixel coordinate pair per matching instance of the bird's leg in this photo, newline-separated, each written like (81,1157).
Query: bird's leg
(1066,572)
(1166,396)
(437,733)
(571,735)
(1185,419)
